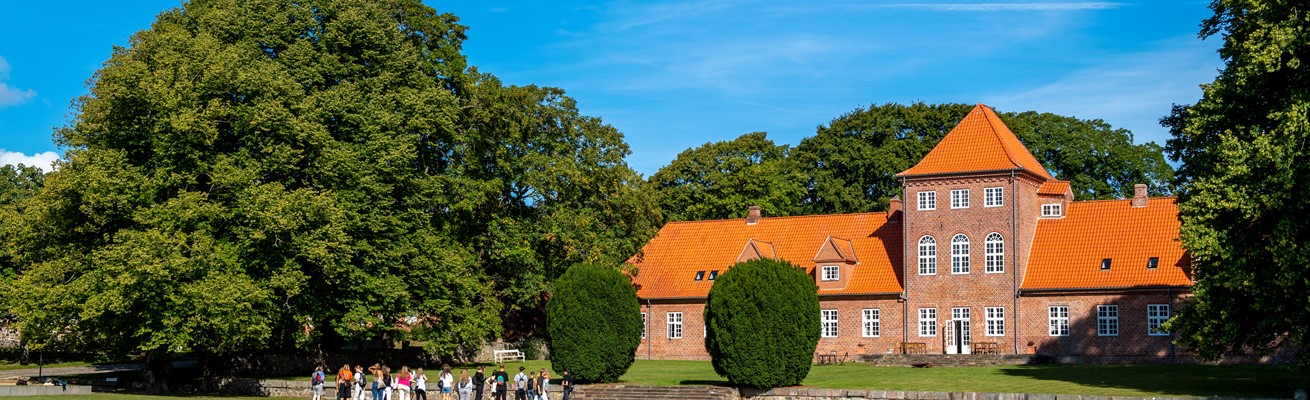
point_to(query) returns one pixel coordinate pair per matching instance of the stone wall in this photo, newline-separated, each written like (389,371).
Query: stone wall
(9,338)
(799,393)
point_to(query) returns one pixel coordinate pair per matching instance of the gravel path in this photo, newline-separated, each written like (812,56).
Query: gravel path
(58,371)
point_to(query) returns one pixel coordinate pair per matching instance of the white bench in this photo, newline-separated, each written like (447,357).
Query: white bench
(505,355)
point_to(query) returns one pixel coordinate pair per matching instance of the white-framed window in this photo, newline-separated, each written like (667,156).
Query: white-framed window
(927,200)
(927,256)
(1058,321)
(831,273)
(674,325)
(870,322)
(643,325)
(829,320)
(927,322)
(994,250)
(1156,314)
(995,321)
(960,254)
(960,198)
(993,197)
(1107,320)
(1051,210)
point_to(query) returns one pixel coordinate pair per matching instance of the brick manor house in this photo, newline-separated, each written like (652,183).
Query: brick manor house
(989,254)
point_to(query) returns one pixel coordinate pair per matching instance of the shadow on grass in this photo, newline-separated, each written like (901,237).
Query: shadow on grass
(1177,380)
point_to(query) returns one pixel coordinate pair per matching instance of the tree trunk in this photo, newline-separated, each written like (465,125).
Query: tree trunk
(157,367)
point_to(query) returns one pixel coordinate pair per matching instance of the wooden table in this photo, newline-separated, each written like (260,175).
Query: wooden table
(984,347)
(914,348)
(826,358)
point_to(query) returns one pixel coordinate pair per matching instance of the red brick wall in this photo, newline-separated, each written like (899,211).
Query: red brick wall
(1132,344)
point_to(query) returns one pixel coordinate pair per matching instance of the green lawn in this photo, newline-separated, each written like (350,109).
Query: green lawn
(1104,380)
(114,396)
(6,366)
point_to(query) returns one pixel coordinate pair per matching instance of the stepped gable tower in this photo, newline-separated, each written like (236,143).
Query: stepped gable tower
(971,211)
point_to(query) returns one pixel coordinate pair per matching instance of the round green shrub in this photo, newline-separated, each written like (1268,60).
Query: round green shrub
(763,324)
(594,322)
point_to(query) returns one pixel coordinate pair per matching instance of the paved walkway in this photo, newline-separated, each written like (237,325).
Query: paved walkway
(58,371)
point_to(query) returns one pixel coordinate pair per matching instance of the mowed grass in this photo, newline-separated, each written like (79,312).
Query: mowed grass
(8,366)
(1103,380)
(117,396)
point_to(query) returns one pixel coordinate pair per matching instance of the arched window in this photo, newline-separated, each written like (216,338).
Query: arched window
(927,256)
(995,253)
(960,254)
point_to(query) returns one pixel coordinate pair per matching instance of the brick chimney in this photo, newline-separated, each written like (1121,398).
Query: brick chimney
(895,207)
(1140,199)
(753,215)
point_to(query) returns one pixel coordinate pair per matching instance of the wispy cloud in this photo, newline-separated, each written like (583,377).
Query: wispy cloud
(1058,6)
(44,161)
(627,16)
(10,96)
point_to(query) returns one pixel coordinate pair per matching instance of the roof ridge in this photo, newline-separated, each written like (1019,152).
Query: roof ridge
(1127,199)
(988,113)
(782,217)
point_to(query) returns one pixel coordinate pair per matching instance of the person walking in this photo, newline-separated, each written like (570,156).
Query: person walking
(478,382)
(502,382)
(420,385)
(345,379)
(316,382)
(520,385)
(447,382)
(464,385)
(567,383)
(358,385)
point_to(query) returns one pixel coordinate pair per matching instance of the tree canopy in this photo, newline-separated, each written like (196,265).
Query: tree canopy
(762,324)
(247,175)
(1243,193)
(850,164)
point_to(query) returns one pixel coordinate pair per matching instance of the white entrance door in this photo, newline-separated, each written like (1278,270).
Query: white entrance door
(957,331)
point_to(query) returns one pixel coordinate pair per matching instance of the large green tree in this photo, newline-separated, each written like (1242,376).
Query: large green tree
(851,163)
(722,179)
(247,175)
(1243,194)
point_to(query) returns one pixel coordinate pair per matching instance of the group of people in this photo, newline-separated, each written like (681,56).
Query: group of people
(381,384)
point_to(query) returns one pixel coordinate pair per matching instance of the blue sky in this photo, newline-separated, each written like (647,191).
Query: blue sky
(677,74)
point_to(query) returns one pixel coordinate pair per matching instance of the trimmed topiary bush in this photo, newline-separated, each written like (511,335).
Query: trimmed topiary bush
(763,324)
(594,322)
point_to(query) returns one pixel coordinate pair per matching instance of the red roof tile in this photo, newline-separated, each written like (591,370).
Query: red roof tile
(980,142)
(1054,187)
(1067,252)
(668,264)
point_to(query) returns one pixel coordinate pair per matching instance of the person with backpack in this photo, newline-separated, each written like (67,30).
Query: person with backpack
(316,382)
(358,386)
(447,382)
(344,381)
(502,382)
(531,392)
(520,385)
(464,386)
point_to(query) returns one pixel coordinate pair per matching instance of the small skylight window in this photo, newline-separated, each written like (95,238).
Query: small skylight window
(1153,262)
(1105,264)
(714,274)
(700,275)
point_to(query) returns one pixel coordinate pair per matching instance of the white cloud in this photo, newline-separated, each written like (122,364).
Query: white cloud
(44,161)
(11,95)
(1062,6)
(1131,91)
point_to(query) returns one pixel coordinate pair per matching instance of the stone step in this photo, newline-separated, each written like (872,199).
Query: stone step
(625,392)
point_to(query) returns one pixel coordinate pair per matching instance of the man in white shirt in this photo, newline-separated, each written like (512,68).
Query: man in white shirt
(520,385)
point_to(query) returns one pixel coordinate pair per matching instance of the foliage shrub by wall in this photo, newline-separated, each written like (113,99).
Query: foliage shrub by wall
(763,324)
(594,322)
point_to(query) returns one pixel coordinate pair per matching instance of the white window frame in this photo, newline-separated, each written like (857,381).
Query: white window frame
(1107,320)
(871,322)
(994,253)
(960,254)
(927,200)
(831,273)
(927,255)
(643,325)
(995,321)
(828,319)
(1156,315)
(927,322)
(1058,321)
(674,325)
(959,198)
(1052,210)
(994,196)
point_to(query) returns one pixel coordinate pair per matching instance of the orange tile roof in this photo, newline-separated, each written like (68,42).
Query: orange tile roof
(1054,187)
(1067,252)
(669,262)
(980,142)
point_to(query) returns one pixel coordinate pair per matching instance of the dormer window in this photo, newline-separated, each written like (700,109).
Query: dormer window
(960,198)
(831,273)
(700,276)
(1153,262)
(1051,210)
(714,274)
(1105,264)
